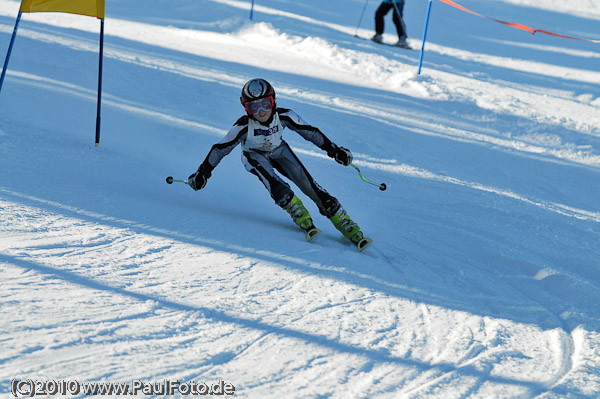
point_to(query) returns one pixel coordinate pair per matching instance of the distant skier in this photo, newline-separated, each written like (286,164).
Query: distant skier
(384,8)
(264,153)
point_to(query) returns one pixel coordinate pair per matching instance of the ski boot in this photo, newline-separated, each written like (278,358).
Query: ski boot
(349,229)
(302,218)
(378,38)
(403,42)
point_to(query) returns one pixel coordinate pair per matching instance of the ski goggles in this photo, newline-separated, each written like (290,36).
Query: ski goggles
(263,104)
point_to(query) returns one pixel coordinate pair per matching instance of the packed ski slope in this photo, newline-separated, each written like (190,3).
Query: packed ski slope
(483,280)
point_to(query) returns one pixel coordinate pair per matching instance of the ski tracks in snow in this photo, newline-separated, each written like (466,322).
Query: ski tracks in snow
(92,251)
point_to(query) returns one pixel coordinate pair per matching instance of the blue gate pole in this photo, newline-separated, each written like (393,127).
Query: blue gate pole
(251,10)
(424,36)
(99,83)
(10,46)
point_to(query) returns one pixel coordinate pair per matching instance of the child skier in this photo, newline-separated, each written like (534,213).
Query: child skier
(264,152)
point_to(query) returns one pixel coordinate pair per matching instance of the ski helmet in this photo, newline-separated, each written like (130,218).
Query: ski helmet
(255,89)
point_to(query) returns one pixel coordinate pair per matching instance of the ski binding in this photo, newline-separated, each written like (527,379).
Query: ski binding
(363,243)
(311,233)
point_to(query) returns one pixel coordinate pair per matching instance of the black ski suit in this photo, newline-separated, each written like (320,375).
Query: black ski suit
(264,152)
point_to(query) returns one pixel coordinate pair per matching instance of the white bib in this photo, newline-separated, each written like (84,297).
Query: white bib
(263,138)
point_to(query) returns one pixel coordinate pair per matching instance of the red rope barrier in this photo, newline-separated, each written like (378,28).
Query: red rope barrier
(517,26)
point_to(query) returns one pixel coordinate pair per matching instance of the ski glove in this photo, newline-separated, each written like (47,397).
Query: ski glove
(343,156)
(198,179)
(340,154)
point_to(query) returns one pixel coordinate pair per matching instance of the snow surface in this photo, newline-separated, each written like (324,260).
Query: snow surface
(483,280)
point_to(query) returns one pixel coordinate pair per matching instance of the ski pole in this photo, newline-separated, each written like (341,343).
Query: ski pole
(381,186)
(170,180)
(361,17)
